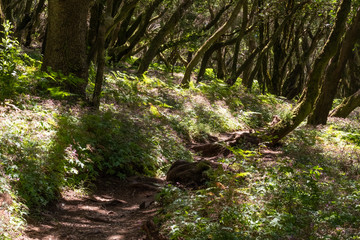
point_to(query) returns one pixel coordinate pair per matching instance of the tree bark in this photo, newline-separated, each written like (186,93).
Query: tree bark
(194,61)
(65,49)
(305,106)
(333,75)
(100,46)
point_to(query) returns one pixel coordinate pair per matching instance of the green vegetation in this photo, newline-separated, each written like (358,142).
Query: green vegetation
(310,190)
(49,142)
(127,102)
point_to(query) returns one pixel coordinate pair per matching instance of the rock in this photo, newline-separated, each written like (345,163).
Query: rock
(188,174)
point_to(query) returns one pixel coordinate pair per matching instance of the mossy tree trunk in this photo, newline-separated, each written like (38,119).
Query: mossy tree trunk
(334,73)
(347,106)
(159,39)
(311,91)
(65,49)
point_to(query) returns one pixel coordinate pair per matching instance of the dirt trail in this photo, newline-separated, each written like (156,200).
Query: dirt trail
(116,210)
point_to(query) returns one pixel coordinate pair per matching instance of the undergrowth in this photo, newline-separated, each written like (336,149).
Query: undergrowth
(48,142)
(310,191)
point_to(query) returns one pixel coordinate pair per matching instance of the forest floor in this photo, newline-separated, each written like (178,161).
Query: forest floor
(115,210)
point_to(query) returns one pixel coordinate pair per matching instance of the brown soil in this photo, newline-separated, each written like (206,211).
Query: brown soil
(116,210)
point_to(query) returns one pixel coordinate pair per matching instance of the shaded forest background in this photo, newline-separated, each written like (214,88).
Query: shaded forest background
(125,87)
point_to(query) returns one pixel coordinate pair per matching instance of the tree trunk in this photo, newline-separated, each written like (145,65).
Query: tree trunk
(279,55)
(246,80)
(194,61)
(347,106)
(334,73)
(100,46)
(239,38)
(65,49)
(160,36)
(96,13)
(303,109)
(221,68)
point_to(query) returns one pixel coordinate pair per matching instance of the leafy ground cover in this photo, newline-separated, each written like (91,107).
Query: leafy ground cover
(308,191)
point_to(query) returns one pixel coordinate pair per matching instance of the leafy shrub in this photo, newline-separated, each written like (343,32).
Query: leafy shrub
(105,143)
(25,143)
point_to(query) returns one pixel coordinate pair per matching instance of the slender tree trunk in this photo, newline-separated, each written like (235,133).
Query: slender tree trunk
(239,38)
(334,73)
(275,81)
(194,61)
(221,68)
(96,12)
(305,106)
(100,63)
(160,36)
(65,49)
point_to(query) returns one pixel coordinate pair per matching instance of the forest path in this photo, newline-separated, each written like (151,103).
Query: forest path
(116,210)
